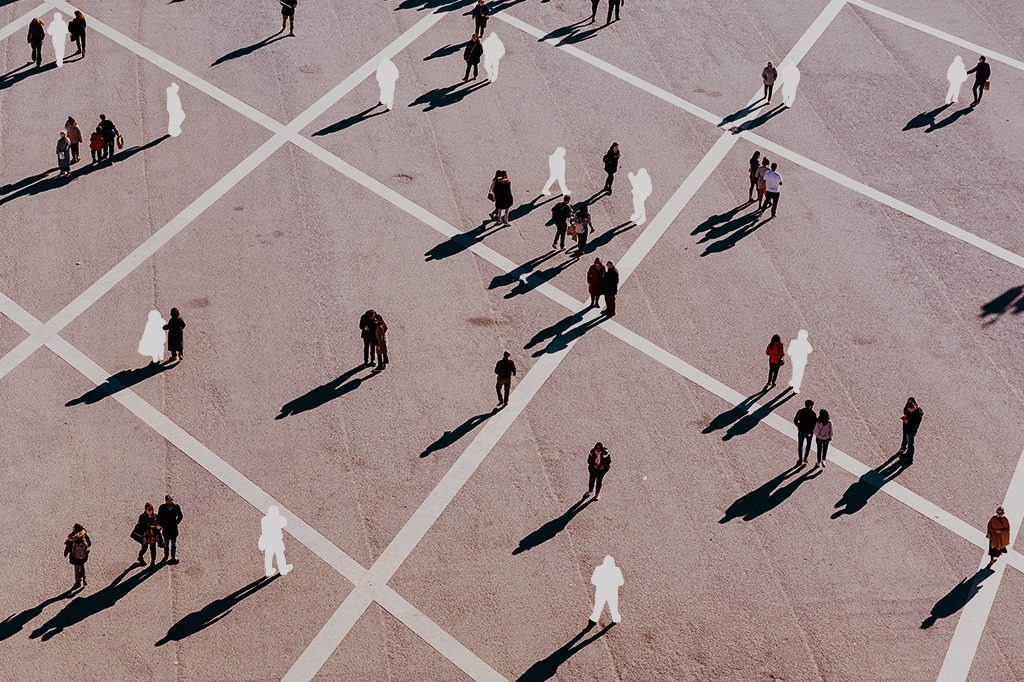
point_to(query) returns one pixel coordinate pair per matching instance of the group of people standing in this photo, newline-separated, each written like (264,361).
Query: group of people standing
(603,280)
(374,333)
(765,178)
(58,31)
(101,143)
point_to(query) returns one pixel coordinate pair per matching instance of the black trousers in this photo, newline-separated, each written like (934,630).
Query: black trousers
(37,54)
(581,238)
(613,5)
(369,351)
(560,233)
(481,26)
(80,42)
(152,552)
(768,91)
(594,4)
(108,149)
(595,480)
(476,69)
(773,372)
(74,151)
(979,88)
(608,181)
(772,198)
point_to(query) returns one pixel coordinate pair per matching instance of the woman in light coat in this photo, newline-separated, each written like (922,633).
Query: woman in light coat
(823,436)
(74,137)
(998,535)
(382,343)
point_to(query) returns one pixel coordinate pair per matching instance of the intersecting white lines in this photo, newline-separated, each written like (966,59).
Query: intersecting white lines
(22,21)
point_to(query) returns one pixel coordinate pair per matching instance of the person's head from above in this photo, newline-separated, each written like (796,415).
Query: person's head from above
(999,512)
(566,199)
(168,499)
(774,166)
(823,416)
(506,355)
(597,261)
(808,404)
(765,162)
(769,65)
(475,38)
(611,264)
(776,339)
(599,447)
(981,59)
(149,509)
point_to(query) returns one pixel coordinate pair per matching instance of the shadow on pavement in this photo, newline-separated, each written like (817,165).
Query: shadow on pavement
(454,436)
(957,598)
(212,612)
(249,49)
(552,527)
(548,668)
(326,393)
(860,491)
(448,94)
(749,421)
(768,496)
(120,381)
(1001,304)
(13,624)
(460,242)
(351,120)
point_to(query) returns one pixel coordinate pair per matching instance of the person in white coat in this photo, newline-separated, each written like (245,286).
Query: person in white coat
(607,580)
(799,349)
(556,165)
(790,79)
(956,74)
(153,337)
(58,31)
(272,542)
(494,50)
(641,190)
(175,114)
(387,76)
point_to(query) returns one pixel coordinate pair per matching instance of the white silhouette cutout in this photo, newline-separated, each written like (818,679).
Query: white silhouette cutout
(790,79)
(387,76)
(956,74)
(556,164)
(799,349)
(272,541)
(641,190)
(153,337)
(494,50)
(175,114)
(607,580)
(58,31)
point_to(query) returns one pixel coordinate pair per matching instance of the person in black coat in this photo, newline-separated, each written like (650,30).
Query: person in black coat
(474,51)
(36,35)
(610,288)
(175,334)
(502,197)
(981,73)
(611,165)
(109,132)
(147,534)
(480,14)
(76,548)
(598,463)
(76,27)
(169,516)
(560,213)
(804,421)
(368,332)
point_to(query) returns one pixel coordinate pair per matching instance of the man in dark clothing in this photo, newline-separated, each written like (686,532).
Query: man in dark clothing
(611,165)
(175,329)
(768,76)
(36,35)
(593,11)
(368,331)
(981,73)
(912,416)
(169,516)
(480,14)
(610,288)
(288,15)
(109,132)
(505,369)
(598,462)
(560,213)
(804,421)
(474,51)
(613,5)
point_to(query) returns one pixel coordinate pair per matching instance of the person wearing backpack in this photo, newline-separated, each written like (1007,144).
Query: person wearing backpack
(76,548)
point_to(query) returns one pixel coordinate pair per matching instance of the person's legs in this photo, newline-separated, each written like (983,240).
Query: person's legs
(773,373)
(503,216)
(613,605)
(593,8)
(979,87)
(597,484)
(468,67)
(369,351)
(910,446)
(608,182)
(268,562)
(593,477)
(609,304)
(770,88)
(903,443)
(172,544)
(599,600)
(82,43)
(79,574)
(152,553)
(582,238)
(108,150)
(282,566)
(167,548)
(497,389)
(773,199)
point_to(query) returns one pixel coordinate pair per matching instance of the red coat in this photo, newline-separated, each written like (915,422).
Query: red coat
(96,141)
(775,353)
(594,277)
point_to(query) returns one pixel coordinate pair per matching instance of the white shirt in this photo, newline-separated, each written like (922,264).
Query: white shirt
(772,180)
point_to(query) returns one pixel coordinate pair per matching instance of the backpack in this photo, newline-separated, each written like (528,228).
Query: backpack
(79,550)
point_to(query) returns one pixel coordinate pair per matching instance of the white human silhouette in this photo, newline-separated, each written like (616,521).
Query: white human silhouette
(556,164)
(641,190)
(58,31)
(153,337)
(607,580)
(790,79)
(956,74)
(494,50)
(272,541)
(175,114)
(387,76)
(799,349)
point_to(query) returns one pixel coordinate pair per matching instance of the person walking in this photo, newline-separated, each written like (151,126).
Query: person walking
(598,462)
(63,154)
(755,163)
(584,226)
(768,76)
(776,358)
(480,14)
(76,27)
(110,135)
(382,343)
(490,194)
(169,516)
(74,137)
(560,213)
(36,35)
(805,420)
(593,9)
(76,549)
(594,276)
(613,5)
(288,15)
(823,436)
(175,334)
(472,54)
(505,369)
(912,416)
(611,165)
(368,332)
(759,181)
(610,288)
(502,198)
(96,145)
(981,74)
(772,186)
(998,535)
(147,534)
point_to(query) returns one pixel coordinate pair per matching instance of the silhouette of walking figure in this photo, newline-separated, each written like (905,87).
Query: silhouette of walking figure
(641,190)
(58,33)
(175,114)
(387,76)
(494,50)
(152,342)
(607,579)
(956,74)
(272,542)
(799,349)
(556,164)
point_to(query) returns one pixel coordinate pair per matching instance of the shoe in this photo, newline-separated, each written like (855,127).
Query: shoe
(554,245)
(84,582)
(597,497)
(291,33)
(500,403)
(140,562)
(78,584)
(286,570)
(823,465)
(173,561)
(587,494)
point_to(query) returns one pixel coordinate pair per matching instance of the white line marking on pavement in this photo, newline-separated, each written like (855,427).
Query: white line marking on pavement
(23,21)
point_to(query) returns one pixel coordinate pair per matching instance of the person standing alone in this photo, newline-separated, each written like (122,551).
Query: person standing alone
(169,516)
(175,334)
(611,165)
(505,369)
(76,549)
(776,358)
(288,15)
(804,420)
(981,74)
(598,462)
(912,416)
(768,76)
(998,535)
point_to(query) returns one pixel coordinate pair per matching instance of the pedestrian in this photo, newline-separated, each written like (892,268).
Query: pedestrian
(790,80)
(584,226)
(610,288)
(776,359)
(387,77)
(76,27)
(76,549)
(772,185)
(480,14)
(502,198)
(169,516)
(956,74)
(998,535)
(368,332)
(560,213)
(175,334)
(598,462)
(288,15)
(58,36)
(805,420)
(175,114)
(110,135)
(768,75)
(593,9)
(799,350)
(472,54)
(912,416)
(607,580)
(63,154)
(147,534)
(641,190)
(981,74)
(153,339)
(611,165)
(505,369)
(594,276)
(755,163)
(74,137)
(823,436)
(494,50)
(36,35)
(613,5)
(96,145)
(759,181)
(382,343)
(556,172)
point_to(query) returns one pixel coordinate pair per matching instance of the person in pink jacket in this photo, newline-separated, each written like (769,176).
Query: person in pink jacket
(776,354)
(823,436)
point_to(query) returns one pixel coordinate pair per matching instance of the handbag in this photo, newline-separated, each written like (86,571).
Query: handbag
(490,196)
(986,84)
(120,142)
(138,535)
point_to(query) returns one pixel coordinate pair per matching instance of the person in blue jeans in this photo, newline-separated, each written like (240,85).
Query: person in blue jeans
(804,421)
(912,416)
(823,436)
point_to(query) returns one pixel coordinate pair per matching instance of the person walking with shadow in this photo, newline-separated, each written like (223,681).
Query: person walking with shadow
(998,535)
(110,135)
(503,199)
(76,27)
(776,358)
(368,332)
(560,213)
(271,542)
(823,436)
(768,76)
(175,334)
(472,54)
(755,163)
(63,154)
(594,276)
(584,226)
(288,15)
(611,165)
(607,580)
(912,416)
(805,420)
(598,463)
(505,369)
(480,14)
(613,5)
(147,534)
(169,516)
(74,137)
(76,549)
(96,145)
(36,35)
(610,288)
(382,343)
(981,74)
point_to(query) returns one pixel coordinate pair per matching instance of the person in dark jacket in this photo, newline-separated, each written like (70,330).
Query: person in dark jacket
(480,14)
(912,416)
(610,288)
(804,420)
(502,197)
(288,15)
(560,213)
(981,73)
(147,534)
(598,462)
(611,165)
(368,332)
(755,162)
(175,334)
(613,5)
(76,27)
(505,369)
(63,154)
(768,76)
(594,276)
(76,548)
(381,330)
(169,516)
(776,354)
(109,131)
(584,226)
(474,51)
(36,35)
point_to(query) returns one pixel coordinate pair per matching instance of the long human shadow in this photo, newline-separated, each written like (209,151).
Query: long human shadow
(563,332)
(325,393)
(12,78)
(957,598)
(735,413)
(448,94)
(769,495)
(734,231)
(456,434)
(1001,304)
(13,624)
(571,33)
(439,5)
(444,51)
(752,419)
(952,118)
(458,243)
(925,119)
(82,607)
(526,268)
(605,237)
(524,209)
(538,277)
(737,115)
(212,612)
(552,527)
(126,378)
(249,49)
(351,120)
(860,491)
(762,119)
(548,667)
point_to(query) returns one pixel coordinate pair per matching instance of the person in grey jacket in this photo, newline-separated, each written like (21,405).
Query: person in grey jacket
(768,75)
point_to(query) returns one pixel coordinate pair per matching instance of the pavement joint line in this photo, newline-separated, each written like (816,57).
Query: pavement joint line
(22,21)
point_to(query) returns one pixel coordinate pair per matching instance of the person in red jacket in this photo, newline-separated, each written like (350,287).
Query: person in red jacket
(776,354)
(96,145)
